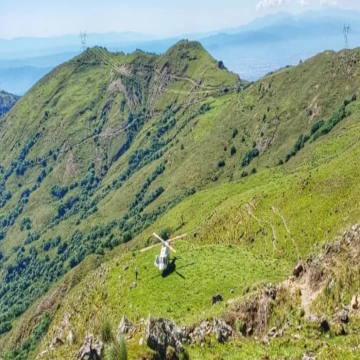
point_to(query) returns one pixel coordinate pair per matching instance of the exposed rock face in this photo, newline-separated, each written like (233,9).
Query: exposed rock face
(222,330)
(199,333)
(125,326)
(309,356)
(89,351)
(85,350)
(217,298)
(343,316)
(161,334)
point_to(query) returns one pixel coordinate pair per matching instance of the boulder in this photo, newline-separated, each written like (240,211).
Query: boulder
(199,333)
(217,298)
(70,337)
(133,285)
(343,316)
(162,333)
(85,350)
(98,348)
(55,342)
(272,333)
(126,267)
(309,356)
(354,303)
(88,351)
(125,326)
(222,330)
(298,270)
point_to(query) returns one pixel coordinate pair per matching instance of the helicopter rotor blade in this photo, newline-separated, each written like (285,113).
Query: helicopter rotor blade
(170,247)
(159,238)
(150,247)
(176,238)
(165,243)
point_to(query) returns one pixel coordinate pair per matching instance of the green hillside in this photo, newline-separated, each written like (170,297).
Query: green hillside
(108,148)
(7,101)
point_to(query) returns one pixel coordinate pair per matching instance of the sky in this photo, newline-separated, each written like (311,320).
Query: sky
(45,18)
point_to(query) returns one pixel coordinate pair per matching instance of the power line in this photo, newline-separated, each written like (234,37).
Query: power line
(83,37)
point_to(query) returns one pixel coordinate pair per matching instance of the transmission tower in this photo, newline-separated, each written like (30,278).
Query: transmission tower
(83,37)
(346,32)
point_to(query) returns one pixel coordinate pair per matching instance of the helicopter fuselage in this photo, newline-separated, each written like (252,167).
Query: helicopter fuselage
(162,260)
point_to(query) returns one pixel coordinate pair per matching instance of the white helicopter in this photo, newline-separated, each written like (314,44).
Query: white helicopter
(162,260)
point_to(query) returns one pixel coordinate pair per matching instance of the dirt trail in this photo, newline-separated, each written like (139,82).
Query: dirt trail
(115,67)
(277,212)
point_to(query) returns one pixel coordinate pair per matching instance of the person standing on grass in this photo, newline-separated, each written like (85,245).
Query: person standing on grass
(136,272)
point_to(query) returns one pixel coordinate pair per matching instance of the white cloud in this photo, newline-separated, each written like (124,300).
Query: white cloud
(262,4)
(303,2)
(328,2)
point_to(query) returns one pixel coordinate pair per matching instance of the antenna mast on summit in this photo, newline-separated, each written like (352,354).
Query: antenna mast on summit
(83,37)
(346,32)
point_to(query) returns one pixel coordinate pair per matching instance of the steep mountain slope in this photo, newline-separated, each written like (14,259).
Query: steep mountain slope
(107,144)
(7,101)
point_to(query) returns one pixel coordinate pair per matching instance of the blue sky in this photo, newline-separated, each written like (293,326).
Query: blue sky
(158,17)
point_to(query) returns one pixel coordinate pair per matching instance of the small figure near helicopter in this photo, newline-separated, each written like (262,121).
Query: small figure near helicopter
(162,260)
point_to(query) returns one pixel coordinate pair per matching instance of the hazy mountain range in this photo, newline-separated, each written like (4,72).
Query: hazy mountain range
(252,50)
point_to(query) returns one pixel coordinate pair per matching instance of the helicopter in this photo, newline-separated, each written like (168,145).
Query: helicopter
(162,260)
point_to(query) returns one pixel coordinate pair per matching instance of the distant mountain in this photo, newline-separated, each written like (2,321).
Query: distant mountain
(262,46)
(18,80)
(33,47)
(7,101)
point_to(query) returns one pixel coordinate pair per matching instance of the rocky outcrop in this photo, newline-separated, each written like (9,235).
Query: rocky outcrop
(90,351)
(198,334)
(162,333)
(222,330)
(124,327)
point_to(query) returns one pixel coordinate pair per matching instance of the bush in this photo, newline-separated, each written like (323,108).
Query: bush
(235,132)
(316,126)
(221,164)
(5,327)
(233,151)
(117,350)
(105,330)
(249,156)
(59,192)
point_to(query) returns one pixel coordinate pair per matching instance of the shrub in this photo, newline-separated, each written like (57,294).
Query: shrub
(221,164)
(249,156)
(316,126)
(105,330)
(233,151)
(235,132)
(59,192)
(240,327)
(117,350)
(5,327)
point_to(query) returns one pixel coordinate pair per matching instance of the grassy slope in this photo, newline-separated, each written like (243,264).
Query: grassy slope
(223,216)
(219,268)
(7,101)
